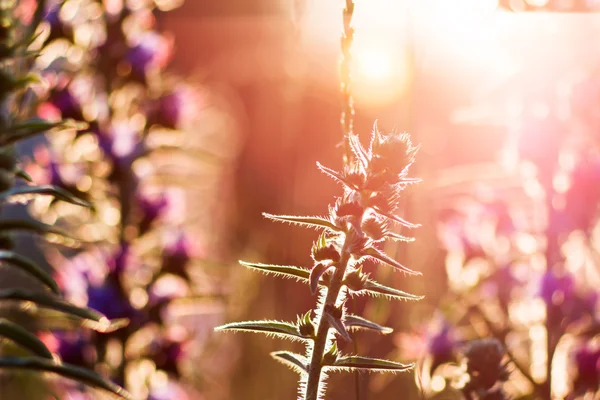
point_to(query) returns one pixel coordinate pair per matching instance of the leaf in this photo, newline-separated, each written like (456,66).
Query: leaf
(336,176)
(398,238)
(79,374)
(28,266)
(48,190)
(338,325)
(398,219)
(351,363)
(312,222)
(355,321)
(285,330)
(36,126)
(294,361)
(286,271)
(24,338)
(21,173)
(30,226)
(315,275)
(378,255)
(358,150)
(376,289)
(95,320)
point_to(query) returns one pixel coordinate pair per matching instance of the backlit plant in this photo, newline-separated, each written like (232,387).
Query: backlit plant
(357,224)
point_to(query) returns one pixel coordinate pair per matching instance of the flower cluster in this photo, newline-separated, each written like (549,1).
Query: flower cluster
(522,259)
(25,328)
(136,248)
(358,222)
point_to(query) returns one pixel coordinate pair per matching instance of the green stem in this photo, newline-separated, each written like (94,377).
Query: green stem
(315,367)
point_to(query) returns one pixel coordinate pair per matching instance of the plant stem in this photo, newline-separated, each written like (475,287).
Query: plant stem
(333,291)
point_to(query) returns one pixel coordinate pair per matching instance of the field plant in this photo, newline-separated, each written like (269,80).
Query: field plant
(357,223)
(33,308)
(104,64)
(522,264)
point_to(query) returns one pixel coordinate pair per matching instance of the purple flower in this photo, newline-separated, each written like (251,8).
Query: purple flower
(167,355)
(151,208)
(441,348)
(176,256)
(587,363)
(73,349)
(150,51)
(68,105)
(108,299)
(170,109)
(556,289)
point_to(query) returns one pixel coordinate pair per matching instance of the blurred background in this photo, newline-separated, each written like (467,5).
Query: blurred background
(463,77)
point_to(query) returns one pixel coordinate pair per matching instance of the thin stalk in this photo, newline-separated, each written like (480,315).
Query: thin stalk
(315,367)
(347,117)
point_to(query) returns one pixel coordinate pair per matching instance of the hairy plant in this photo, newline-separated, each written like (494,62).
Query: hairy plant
(22,325)
(357,224)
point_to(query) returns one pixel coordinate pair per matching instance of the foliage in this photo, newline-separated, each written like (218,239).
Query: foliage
(19,48)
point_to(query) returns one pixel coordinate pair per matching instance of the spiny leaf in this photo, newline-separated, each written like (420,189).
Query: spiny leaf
(30,226)
(355,321)
(24,338)
(29,267)
(96,320)
(315,275)
(79,374)
(285,271)
(294,361)
(285,330)
(358,150)
(398,219)
(377,289)
(338,325)
(378,255)
(336,176)
(312,222)
(372,364)
(49,190)
(398,238)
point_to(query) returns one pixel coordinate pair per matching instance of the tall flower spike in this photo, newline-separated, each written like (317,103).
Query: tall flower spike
(355,227)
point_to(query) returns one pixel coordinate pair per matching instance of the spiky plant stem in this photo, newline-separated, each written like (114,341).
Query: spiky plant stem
(320,342)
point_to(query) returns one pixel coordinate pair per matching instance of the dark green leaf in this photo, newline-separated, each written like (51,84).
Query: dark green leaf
(27,265)
(30,226)
(95,320)
(354,321)
(21,173)
(372,364)
(36,126)
(285,330)
(79,374)
(294,361)
(377,289)
(48,190)
(24,338)
(312,222)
